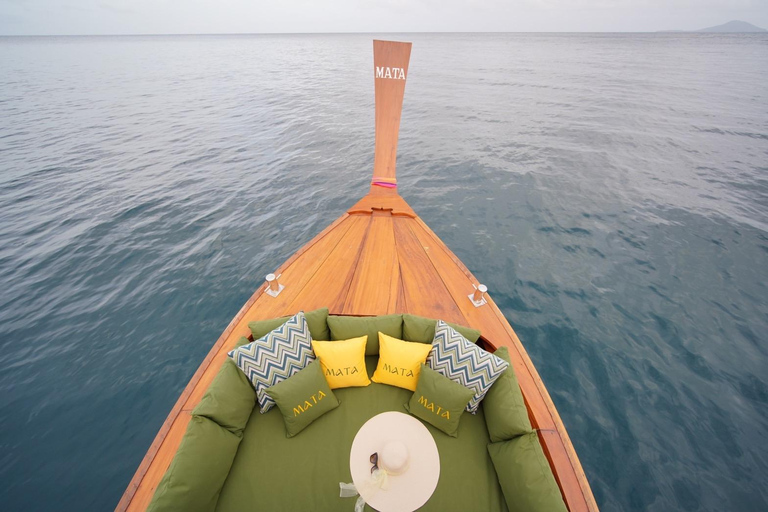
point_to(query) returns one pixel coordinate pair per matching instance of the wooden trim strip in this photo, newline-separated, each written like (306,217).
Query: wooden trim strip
(138,477)
(545,418)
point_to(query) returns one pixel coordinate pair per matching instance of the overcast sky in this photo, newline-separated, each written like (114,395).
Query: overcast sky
(48,17)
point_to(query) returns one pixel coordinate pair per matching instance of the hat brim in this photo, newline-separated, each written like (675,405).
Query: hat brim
(405,492)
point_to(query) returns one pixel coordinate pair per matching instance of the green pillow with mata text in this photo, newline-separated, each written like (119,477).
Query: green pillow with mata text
(439,401)
(303,398)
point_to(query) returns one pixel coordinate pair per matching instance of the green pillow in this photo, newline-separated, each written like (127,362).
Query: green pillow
(347,327)
(505,412)
(439,401)
(316,321)
(525,476)
(303,397)
(189,484)
(229,399)
(421,329)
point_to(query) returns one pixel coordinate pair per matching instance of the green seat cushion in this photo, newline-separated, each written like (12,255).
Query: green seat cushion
(439,401)
(230,398)
(198,471)
(525,476)
(421,329)
(272,472)
(505,411)
(346,327)
(303,398)
(316,320)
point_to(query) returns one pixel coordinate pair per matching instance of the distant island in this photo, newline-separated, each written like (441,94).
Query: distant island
(731,26)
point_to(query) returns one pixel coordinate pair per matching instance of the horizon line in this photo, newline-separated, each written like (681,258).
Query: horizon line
(674,31)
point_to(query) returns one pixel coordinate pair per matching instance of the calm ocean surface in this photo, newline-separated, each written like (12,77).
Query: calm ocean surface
(611,190)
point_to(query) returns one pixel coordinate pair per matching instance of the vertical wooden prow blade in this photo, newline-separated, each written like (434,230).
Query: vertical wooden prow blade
(390,70)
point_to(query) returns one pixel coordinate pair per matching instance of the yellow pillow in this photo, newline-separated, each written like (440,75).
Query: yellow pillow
(343,362)
(400,362)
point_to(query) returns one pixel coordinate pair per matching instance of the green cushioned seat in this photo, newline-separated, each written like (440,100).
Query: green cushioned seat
(346,327)
(230,398)
(233,458)
(421,329)
(525,476)
(272,472)
(316,321)
(505,411)
(198,471)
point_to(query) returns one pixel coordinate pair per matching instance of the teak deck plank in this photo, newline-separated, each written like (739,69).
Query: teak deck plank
(423,288)
(372,284)
(296,274)
(330,284)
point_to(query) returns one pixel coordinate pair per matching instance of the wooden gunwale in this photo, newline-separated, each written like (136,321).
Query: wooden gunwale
(377,258)
(228,335)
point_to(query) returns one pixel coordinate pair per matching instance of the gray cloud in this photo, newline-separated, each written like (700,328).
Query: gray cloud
(246,16)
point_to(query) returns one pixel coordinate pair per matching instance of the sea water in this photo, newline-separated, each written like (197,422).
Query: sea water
(611,190)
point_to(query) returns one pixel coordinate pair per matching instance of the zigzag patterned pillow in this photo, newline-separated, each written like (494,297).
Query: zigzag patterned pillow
(275,357)
(457,358)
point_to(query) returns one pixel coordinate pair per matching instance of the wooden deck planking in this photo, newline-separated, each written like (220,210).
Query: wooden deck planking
(374,277)
(396,290)
(296,274)
(330,284)
(423,288)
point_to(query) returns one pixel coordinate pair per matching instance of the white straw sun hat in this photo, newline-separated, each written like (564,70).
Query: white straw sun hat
(406,457)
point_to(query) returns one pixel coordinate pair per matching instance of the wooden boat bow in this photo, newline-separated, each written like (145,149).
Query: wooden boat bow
(377,258)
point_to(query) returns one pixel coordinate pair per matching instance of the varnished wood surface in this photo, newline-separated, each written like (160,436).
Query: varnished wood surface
(377,258)
(390,56)
(375,263)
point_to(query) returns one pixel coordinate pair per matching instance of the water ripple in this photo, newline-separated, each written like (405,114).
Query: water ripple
(610,190)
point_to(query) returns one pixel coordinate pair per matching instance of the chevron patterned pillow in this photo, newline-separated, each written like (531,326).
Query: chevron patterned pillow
(275,357)
(457,358)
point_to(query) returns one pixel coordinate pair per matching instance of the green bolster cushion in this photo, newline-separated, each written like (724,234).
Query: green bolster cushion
(505,413)
(197,473)
(229,399)
(525,476)
(346,327)
(421,329)
(316,321)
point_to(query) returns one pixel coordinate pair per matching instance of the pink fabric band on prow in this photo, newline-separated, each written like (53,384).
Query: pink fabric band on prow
(384,182)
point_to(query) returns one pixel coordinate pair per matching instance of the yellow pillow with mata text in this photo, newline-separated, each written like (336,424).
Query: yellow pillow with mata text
(400,362)
(343,362)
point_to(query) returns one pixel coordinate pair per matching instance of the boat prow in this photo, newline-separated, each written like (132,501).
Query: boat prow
(377,258)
